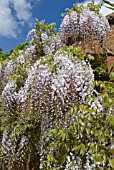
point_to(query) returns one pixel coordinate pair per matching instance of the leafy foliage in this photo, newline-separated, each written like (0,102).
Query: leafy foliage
(91,6)
(3,56)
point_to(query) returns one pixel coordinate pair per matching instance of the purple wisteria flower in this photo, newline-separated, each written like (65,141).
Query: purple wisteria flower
(51,43)
(87,26)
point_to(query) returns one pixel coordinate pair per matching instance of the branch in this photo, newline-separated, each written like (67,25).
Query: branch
(110,7)
(109,3)
(108,51)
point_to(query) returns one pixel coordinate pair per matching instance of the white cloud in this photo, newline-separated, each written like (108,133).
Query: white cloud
(23,9)
(10,23)
(105,11)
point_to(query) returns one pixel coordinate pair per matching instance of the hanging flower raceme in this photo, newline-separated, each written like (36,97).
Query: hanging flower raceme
(50,43)
(14,148)
(87,26)
(65,27)
(30,52)
(67,79)
(48,86)
(104,28)
(52,88)
(93,26)
(10,95)
(88,23)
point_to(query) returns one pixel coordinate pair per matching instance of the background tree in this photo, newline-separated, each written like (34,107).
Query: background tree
(3,56)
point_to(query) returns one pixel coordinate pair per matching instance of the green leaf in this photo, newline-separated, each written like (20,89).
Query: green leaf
(98,158)
(104,158)
(98,115)
(51,158)
(112,121)
(97,83)
(111,162)
(111,76)
(63,136)
(102,85)
(75,109)
(71,111)
(88,131)
(76,148)
(82,150)
(93,147)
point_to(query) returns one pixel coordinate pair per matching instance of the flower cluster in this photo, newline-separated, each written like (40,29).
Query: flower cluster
(72,163)
(13,147)
(87,25)
(50,43)
(31,34)
(1,78)
(51,89)
(43,83)
(75,163)
(52,93)
(10,95)
(30,52)
(93,25)
(69,78)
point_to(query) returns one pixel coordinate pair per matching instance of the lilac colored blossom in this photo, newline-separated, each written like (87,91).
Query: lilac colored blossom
(73,163)
(9,69)
(30,35)
(50,94)
(51,88)
(104,27)
(12,66)
(10,149)
(87,25)
(65,27)
(20,60)
(9,94)
(30,51)
(90,23)
(50,43)
(69,78)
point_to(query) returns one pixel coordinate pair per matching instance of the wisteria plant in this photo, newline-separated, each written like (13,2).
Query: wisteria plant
(57,112)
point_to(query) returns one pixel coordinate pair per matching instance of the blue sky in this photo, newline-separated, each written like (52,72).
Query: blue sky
(17,17)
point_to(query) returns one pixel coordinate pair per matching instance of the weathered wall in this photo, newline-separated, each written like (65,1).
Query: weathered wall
(94,47)
(110,42)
